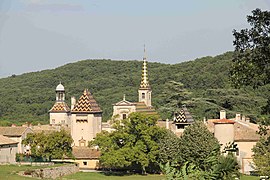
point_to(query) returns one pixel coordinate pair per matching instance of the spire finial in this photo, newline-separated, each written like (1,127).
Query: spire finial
(124,97)
(144,52)
(144,81)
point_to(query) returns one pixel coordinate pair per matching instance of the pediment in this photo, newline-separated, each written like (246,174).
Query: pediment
(124,103)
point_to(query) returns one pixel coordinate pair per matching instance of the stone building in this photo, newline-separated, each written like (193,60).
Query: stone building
(86,117)
(8,150)
(17,134)
(241,132)
(60,112)
(122,109)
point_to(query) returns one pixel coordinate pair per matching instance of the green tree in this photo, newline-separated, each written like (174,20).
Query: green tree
(251,63)
(50,146)
(261,156)
(133,144)
(197,142)
(169,148)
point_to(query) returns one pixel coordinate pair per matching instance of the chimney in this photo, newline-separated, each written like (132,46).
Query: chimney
(167,124)
(13,125)
(238,117)
(248,120)
(243,118)
(222,114)
(73,102)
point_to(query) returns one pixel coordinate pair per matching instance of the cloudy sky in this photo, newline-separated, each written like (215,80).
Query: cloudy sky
(38,34)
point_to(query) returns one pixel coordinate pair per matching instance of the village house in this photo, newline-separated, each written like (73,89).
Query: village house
(8,150)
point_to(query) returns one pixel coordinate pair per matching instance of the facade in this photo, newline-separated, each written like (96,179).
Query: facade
(8,150)
(60,112)
(17,134)
(86,117)
(241,132)
(122,109)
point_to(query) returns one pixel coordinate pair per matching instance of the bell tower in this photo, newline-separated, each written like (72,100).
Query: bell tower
(145,89)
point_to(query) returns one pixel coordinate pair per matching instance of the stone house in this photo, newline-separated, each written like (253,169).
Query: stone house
(8,150)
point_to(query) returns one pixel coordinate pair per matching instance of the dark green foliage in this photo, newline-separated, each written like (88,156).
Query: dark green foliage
(197,143)
(30,96)
(169,148)
(133,145)
(55,145)
(252,51)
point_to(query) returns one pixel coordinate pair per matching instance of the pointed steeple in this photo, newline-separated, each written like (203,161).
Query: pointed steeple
(144,80)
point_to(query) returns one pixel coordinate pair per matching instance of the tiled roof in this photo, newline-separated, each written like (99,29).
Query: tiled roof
(183,116)
(142,108)
(12,131)
(5,140)
(86,104)
(60,107)
(224,121)
(85,153)
(243,131)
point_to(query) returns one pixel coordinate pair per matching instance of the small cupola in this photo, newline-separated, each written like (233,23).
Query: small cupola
(60,92)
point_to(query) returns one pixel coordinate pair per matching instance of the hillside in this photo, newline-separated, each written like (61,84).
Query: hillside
(28,97)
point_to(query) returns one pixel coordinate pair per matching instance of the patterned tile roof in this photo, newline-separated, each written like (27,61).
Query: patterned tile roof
(183,116)
(85,153)
(5,140)
(142,108)
(60,107)
(12,131)
(86,104)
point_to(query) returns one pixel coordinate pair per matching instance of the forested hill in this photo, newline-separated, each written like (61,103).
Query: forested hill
(28,97)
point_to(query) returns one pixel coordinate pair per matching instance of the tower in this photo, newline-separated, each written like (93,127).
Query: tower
(86,117)
(145,89)
(60,112)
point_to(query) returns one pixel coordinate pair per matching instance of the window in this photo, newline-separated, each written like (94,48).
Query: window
(84,163)
(53,121)
(124,116)
(143,95)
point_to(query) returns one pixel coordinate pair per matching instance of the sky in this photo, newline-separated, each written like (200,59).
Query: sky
(44,34)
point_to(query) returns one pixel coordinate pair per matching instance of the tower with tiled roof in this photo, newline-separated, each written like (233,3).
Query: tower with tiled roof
(60,112)
(145,88)
(86,117)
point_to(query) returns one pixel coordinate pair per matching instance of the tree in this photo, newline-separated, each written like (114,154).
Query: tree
(55,145)
(197,143)
(251,62)
(169,148)
(261,156)
(133,144)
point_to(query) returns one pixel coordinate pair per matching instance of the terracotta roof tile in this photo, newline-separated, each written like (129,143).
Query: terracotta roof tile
(86,103)
(85,153)
(142,108)
(12,131)
(224,121)
(60,107)
(5,140)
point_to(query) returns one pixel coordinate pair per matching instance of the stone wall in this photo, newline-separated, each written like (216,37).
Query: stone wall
(53,172)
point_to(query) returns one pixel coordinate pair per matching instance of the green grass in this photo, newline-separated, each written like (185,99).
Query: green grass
(244,177)
(101,176)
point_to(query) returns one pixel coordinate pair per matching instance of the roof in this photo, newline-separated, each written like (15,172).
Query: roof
(142,108)
(60,87)
(85,153)
(243,131)
(12,131)
(86,104)
(60,107)
(5,140)
(223,121)
(183,116)
(124,103)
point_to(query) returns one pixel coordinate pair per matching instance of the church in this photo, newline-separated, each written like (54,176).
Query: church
(122,109)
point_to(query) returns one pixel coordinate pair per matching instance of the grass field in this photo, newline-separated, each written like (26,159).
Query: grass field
(8,172)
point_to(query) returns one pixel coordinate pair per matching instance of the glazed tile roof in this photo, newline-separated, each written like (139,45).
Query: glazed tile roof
(142,108)
(85,153)
(86,104)
(5,140)
(12,131)
(60,107)
(183,116)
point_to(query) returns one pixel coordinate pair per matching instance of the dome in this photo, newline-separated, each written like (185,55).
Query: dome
(60,87)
